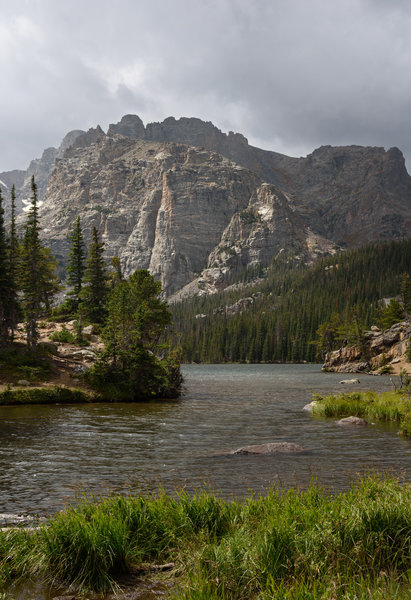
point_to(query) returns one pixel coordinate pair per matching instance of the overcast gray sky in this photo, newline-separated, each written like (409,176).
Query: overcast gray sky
(290,75)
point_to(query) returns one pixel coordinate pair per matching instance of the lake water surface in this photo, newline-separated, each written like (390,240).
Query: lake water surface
(48,454)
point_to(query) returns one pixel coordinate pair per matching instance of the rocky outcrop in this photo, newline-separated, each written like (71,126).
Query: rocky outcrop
(380,348)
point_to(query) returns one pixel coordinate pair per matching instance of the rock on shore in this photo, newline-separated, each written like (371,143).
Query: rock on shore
(382,347)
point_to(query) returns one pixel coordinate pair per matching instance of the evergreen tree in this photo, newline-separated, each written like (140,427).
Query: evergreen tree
(95,290)
(135,362)
(13,261)
(5,281)
(76,263)
(14,243)
(117,274)
(406,295)
(37,272)
(390,314)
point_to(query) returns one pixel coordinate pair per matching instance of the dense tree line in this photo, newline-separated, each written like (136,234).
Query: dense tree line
(289,314)
(137,362)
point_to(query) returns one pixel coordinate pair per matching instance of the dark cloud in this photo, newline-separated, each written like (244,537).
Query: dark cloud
(289,74)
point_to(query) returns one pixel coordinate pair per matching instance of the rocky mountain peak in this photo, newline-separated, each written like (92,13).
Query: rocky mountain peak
(130,126)
(89,137)
(196,205)
(69,140)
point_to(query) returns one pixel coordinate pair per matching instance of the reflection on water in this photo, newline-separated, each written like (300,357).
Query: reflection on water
(48,454)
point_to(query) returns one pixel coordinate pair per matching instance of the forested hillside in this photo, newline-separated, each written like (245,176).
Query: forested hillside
(278,318)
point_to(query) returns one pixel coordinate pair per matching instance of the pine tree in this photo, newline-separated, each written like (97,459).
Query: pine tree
(95,290)
(37,270)
(390,314)
(406,295)
(76,264)
(13,262)
(4,280)
(135,362)
(117,274)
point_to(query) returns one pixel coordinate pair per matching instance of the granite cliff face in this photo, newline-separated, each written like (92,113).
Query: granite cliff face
(195,205)
(173,209)
(351,195)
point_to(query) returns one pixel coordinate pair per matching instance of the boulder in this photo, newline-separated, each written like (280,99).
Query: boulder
(352,421)
(23,382)
(88,330)
(271,448)
(80,370)
(309,407)
(84,355)
(349,381)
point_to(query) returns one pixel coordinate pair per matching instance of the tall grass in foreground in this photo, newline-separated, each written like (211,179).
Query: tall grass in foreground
(288,545)
(394,407)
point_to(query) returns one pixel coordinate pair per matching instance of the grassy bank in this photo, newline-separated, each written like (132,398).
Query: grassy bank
(45,395)
(393,407)
(289,545)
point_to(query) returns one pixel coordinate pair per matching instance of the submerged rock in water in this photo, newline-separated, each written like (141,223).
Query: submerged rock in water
(309,407)
(352,421)
(349,381)
(271,448)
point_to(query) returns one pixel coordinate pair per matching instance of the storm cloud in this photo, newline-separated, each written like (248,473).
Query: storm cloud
(290,75)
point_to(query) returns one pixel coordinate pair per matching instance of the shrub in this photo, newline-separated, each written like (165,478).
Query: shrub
(64,335)
(385,370)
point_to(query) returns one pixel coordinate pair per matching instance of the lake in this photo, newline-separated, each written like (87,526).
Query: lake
(50,454)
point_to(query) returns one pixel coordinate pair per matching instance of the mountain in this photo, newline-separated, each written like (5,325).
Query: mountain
(351,195)
(197,206)
(174,209)
(41,168)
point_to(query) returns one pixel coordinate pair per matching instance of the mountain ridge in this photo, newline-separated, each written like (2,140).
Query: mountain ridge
(195,205)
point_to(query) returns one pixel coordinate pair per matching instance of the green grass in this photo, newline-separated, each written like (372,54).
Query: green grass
(390,407)
(64,335)
(288,545)
(44,395)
